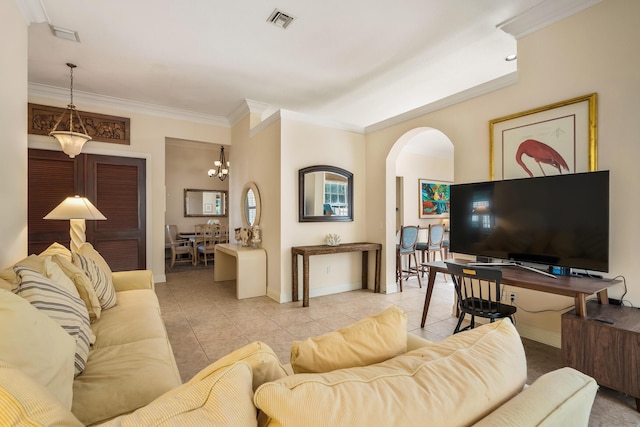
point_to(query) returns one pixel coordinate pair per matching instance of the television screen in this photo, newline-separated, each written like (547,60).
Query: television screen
(560,220)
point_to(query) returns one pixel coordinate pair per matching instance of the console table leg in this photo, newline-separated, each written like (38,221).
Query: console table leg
(365,269)
(377,277)
(305,281)
(581,305)
(294,278)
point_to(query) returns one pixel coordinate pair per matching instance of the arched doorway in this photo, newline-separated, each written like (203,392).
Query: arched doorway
(421,153)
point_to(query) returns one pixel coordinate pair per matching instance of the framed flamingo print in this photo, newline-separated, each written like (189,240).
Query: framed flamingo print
(434,199)
(555,139)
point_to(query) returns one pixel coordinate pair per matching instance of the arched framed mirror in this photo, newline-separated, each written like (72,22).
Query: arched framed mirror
(251,205)
(325,193)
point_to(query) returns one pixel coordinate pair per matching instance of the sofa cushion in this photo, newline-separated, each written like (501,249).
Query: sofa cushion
(36,345)
(133,319)
(24,402)
(102,283)
(83,286)
(462,386)
(264,363)
(367,341)
(221,399)
(59,304)
(122,378)
(558,398)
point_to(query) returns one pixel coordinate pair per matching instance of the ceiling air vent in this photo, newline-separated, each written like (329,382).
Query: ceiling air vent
(280,19)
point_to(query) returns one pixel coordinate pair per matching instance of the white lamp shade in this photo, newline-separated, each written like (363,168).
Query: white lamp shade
(71,142)
(75,208)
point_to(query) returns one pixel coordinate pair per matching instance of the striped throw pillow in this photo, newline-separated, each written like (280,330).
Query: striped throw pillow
(60,305)
(102,282)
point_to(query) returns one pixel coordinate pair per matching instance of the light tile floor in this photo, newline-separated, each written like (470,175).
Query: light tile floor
(205,321)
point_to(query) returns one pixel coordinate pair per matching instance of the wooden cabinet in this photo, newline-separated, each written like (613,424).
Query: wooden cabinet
(605,345)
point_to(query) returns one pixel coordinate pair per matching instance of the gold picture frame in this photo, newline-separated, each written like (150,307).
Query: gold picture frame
(553,139)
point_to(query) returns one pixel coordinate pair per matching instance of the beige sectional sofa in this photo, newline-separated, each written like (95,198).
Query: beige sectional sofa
(130,362)
(370,373)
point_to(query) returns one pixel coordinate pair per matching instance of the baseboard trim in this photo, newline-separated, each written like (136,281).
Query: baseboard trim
(543,336)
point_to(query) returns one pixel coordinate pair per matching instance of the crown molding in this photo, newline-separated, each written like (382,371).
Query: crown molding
(52,92)
(542,15)
(33,11)
(490,86)
(185,143)
(247,106)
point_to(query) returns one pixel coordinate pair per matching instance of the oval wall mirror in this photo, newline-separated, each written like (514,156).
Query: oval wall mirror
(251,208)
(325,193)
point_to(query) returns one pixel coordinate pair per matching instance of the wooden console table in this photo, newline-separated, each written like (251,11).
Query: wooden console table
(307,251)
(605,346)
(577,287)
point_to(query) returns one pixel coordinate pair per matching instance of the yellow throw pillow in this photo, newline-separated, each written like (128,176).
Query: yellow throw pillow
(56,249)
(369,340)
(459,388)
(223,399)
(264,363)
(9,280)
(83,286)
(55,273)
(34,262)
(24,402)
(37,346)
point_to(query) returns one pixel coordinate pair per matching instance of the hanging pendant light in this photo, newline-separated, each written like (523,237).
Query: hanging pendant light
(221,167)
(70,141)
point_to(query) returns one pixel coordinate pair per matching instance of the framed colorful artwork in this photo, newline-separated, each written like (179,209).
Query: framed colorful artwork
(433,199)
(555,139)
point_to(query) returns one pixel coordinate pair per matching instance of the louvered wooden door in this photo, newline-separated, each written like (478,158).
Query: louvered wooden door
(116,185)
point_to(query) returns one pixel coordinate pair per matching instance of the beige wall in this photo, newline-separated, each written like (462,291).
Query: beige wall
(13,150)
(148,135)
(186,166)
(413,167)
(588,52)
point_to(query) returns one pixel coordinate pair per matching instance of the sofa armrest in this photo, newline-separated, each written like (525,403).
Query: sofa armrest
(559,398)
(414,342)
(133,279)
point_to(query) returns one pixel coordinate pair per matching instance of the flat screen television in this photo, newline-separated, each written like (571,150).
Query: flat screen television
(560,220)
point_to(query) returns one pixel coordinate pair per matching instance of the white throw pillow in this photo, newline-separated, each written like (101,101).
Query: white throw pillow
(66,309)
(102,282)
(37,346)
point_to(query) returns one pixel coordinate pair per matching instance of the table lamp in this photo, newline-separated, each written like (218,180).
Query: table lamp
(76,209)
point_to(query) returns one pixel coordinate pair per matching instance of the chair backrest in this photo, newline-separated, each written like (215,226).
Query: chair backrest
(408,238)
(207,234)
(171,234)
(477,287)
(436,235)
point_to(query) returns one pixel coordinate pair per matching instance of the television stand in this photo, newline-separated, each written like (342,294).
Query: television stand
(514,264)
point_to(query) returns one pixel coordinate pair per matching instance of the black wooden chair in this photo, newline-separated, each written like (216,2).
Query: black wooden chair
(478,292)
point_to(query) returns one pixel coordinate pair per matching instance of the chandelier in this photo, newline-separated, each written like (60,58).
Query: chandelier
(70,141)
(221,167)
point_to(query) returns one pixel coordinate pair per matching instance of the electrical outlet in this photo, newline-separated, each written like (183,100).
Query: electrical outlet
(328,269)
(512,297)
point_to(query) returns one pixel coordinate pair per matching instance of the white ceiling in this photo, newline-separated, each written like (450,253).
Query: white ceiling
(356,61)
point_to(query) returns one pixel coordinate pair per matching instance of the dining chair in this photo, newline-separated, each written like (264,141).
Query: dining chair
(207,236)
(433,246)
(179,247)
(478,293)
(407,248)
